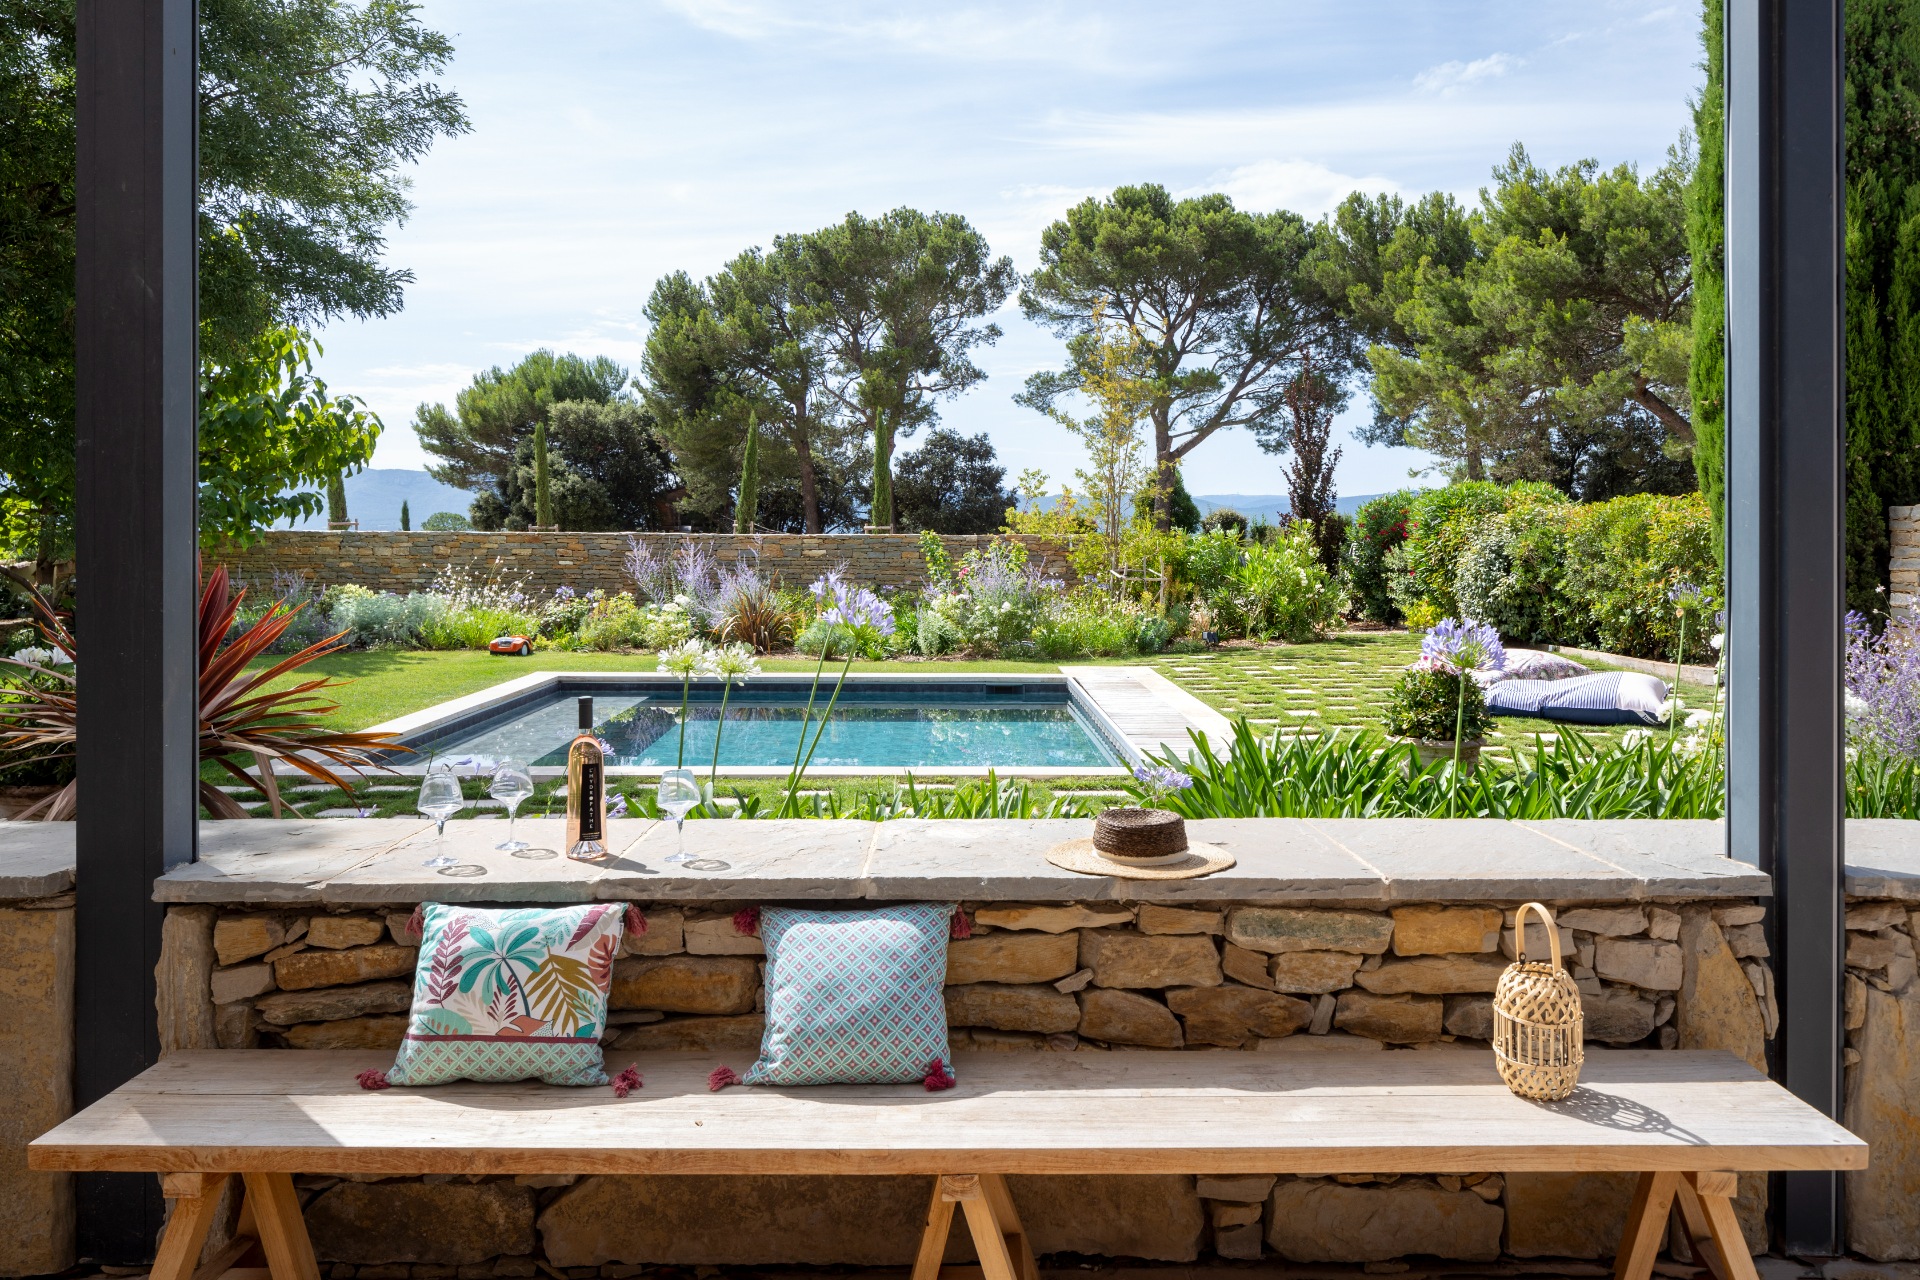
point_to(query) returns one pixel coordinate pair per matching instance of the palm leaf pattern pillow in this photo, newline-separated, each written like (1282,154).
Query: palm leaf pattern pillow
(510,994)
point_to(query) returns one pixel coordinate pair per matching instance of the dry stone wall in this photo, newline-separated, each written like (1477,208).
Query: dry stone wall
(1903,559)
(1033,978)
(542,562)
(1882,1058)
(36,1080)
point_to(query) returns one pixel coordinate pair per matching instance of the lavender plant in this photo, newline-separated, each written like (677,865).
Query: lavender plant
(1883,686)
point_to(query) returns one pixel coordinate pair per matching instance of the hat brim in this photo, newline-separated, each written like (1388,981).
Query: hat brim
(1081,856)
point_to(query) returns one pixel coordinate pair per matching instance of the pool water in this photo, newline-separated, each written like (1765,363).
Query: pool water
(1022,726)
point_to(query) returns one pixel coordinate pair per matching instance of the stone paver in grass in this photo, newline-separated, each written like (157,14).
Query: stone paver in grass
(1342,682)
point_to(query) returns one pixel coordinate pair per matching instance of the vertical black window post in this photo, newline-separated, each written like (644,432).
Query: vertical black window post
(1786,414)
(137,399)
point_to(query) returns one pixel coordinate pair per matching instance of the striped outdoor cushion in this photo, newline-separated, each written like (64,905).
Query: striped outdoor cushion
(1612,697)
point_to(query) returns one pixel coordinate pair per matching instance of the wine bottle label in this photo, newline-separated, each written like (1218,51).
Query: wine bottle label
(593,809)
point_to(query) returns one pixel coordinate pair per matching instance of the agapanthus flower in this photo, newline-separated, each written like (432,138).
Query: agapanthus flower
(1161,779)
(1464,645)
(733,663)
(686,659)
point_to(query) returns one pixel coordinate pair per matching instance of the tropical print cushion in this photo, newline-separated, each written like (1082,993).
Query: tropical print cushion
(854,997)
(515,994)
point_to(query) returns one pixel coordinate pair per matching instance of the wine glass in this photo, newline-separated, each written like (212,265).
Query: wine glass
(679,791)
(440,799)
(512,784)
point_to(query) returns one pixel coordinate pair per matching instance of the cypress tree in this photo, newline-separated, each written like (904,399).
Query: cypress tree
(747,506)
(1706,240)
(406,522)
(1883,282)
(882,514)
(1882,289)
(542,482)
(337,499)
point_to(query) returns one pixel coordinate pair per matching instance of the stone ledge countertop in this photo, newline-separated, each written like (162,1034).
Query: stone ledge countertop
(348,861)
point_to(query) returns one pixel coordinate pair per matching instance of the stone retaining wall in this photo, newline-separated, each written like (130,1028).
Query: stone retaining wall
(1034,978)
(1903,559)
(1883,1076)
(36,1080)
(540,562)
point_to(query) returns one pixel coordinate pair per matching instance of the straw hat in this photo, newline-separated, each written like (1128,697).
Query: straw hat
(1140,844)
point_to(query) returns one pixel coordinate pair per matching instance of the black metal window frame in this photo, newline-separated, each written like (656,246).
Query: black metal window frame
(137,372)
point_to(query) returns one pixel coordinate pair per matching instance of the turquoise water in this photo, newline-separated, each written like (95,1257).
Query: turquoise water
(644,731)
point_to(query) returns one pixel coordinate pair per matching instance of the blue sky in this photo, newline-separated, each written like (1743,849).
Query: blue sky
(617,140)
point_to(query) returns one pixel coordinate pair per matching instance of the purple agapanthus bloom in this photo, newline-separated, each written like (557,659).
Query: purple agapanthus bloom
(1883,685)
(1160,778)
(1464,645)
(851,606)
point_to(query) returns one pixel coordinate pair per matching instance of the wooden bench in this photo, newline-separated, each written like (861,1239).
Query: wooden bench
(1683,1121)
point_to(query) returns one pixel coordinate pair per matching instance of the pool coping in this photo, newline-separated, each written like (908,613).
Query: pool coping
(1116,718)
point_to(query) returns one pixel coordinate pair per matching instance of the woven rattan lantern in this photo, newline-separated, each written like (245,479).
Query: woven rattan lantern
(1537,1023)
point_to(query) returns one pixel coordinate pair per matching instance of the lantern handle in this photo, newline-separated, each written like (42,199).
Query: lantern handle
(1520,933)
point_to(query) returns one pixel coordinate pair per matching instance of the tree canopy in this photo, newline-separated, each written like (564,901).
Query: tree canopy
(952,483)
(309,112)
(1556,346)
(898,298)
(478,442)
(272,438)
(1221,300)
(607,470)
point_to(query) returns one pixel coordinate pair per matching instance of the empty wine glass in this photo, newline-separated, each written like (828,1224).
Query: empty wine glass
(679,791)
(512,784)
(440,799)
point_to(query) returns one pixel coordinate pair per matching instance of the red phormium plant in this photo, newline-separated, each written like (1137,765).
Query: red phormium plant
(239,715)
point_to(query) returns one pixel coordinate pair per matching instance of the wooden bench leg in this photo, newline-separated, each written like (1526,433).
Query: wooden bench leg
(196,1199)
(998,1237)
(283,1232)
(933,1241)
(1646,1226)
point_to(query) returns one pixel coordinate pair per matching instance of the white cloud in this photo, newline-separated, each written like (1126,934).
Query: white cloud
(1304,186)
(1450,77)
(1024,34)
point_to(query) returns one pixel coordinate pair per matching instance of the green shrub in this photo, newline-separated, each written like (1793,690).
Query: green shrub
(1379,527)
(1624,557)
(384,621)
(617,622)
(1443,521)
(1426,703)
(1282,590)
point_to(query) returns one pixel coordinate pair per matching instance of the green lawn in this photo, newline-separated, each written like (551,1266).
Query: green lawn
(1341,682)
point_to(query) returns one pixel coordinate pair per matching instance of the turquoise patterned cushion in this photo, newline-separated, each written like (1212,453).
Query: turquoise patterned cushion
(517,994)
(854,997)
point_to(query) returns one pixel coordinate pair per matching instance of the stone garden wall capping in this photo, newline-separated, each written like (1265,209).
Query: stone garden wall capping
(402,562)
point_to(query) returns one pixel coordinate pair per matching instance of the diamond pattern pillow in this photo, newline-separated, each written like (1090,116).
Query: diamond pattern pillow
(854,997)
(516,994)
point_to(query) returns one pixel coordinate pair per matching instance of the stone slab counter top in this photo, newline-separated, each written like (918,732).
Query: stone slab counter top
(350,861)
(1883,859)
(1360,862)
(36,859)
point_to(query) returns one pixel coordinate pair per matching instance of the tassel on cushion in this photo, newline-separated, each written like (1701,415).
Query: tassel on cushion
(962,927)
(636,920)
(627,1081)
(937,1077)
(722,1077)
(374,1080)
(746,921)
(417,922)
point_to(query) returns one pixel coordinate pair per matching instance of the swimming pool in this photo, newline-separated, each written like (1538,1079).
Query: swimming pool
(880,724)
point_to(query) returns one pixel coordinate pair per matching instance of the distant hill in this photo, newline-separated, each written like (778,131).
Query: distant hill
(1272,506)
(374,497)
